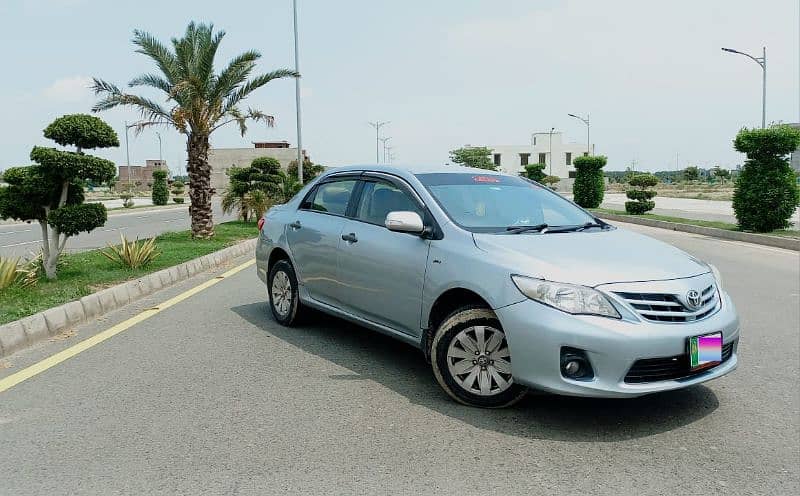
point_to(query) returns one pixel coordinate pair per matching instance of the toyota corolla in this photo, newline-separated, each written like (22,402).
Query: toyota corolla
(503,284)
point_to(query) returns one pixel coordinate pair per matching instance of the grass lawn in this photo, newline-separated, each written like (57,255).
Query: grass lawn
(86,272)
(790,233)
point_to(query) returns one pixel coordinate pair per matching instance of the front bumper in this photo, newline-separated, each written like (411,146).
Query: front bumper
(536,333)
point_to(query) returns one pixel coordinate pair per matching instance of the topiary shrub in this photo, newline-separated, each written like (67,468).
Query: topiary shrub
(160,193)
(127,200)
(640,194)
(534,172)
(177,191)
(766,192)
(589,183)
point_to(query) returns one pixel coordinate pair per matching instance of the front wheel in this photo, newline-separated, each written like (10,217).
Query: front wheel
(471,360)
(283,297)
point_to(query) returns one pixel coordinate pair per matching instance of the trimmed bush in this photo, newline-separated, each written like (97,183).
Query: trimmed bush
(589,184)
(641,196)
(177,191)
(766,192)
(535,172)
(160,194)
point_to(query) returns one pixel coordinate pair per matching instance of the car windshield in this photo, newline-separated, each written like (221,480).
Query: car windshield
(500,204)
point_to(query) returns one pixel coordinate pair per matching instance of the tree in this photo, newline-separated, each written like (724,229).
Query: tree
(720,173)
(160,194)
(51,191)
(289,186)
(766,193)
(640,194)
(310,170)
(691,173)
(238,187)
(589,184)
(535,172)
(177,191)
(199,101)
(265,175)
(469,156)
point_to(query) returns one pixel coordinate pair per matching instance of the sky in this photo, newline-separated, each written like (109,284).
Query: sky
(446,73)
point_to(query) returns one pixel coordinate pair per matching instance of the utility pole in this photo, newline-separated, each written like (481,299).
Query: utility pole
(160,156)
(761,61)
(378,125)
(551,150)
(297,98)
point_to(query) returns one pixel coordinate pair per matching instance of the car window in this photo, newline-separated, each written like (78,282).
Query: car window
(380,198)
(333,197)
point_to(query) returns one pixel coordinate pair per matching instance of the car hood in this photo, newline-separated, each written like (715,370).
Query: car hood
(590,258)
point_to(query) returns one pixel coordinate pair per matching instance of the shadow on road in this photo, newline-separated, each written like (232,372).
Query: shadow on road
(402,368)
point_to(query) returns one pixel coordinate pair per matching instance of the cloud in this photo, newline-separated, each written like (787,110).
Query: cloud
(70,89)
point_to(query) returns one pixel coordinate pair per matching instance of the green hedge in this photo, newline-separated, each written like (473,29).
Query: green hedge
(766,192)
(589,184)
(160,193)
(640,195)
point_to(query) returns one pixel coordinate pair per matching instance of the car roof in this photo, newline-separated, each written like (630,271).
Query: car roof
(412,169)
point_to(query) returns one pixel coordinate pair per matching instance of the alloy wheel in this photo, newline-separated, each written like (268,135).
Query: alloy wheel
(281,293)
(479,360)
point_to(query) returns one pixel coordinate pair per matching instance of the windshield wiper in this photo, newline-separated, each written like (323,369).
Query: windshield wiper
(523,229)
(582,227)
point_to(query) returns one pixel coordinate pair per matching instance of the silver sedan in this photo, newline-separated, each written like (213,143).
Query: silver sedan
(503,284)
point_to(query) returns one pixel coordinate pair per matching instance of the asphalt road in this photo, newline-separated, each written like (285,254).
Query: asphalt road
(20,240)
(211,396)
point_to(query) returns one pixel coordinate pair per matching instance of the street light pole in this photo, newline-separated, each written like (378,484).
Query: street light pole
(761,61)
(297,98)
(551,150)
(160,156)
(384,140)
(588,136)
(378,125)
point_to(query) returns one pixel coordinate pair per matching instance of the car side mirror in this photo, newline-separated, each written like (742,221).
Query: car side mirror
(404,221)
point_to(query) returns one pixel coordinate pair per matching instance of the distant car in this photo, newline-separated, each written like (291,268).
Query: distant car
(503,284)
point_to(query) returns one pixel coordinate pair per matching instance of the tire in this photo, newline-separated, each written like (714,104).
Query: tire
(284,302)
(474,379)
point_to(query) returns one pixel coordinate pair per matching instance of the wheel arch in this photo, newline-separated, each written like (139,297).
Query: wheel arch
(445,304)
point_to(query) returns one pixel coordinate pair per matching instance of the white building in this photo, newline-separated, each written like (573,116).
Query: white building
(222,159)
(512,159)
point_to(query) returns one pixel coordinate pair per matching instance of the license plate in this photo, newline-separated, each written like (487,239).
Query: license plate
(705,350)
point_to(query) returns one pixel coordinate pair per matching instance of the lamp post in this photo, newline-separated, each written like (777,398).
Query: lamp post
(160,156)
(384,140)
(378,125)
(297,98)
(551,150)
(588,140)
(128,156)
(761,61)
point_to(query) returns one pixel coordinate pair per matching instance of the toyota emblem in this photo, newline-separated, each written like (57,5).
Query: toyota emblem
(693,299)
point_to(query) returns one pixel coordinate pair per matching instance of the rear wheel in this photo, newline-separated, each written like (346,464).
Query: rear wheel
(283,297)
(471,360)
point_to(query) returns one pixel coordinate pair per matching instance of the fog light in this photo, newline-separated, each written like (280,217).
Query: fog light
(575,364)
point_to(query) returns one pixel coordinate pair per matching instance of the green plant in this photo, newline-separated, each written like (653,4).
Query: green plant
(766,192)
(8,271)
(160,193)
(51,191)
(691,173)
(23,274)
(127,200)
(473,156)
(535,172)
(132,254)
(200,100)
(550,181)
(177,191)
(310,170)
(257,202)
(288,187)
(589,184)
(265,175)
(640,195)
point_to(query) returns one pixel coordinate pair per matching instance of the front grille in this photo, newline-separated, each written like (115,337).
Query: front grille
(669,368)
(663,307)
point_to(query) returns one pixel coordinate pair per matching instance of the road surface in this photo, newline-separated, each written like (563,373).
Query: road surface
(21,240)
(211,396)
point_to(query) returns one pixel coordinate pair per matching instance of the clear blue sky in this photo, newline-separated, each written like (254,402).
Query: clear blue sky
(445,72)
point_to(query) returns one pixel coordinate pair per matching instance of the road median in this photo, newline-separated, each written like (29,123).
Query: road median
(49,322)
(785,242)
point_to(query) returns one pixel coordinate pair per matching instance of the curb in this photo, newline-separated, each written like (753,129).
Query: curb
(759,239)
(26,332)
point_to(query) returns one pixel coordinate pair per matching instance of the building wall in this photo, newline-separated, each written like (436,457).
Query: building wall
(538,151)
(143,174)
(222,159)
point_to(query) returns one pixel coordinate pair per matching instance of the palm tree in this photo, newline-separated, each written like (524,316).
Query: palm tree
(199,101)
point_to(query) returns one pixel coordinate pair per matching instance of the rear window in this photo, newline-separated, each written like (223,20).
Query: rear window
(333,197)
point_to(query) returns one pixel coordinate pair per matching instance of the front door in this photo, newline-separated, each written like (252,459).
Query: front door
(315,234)
(382,272)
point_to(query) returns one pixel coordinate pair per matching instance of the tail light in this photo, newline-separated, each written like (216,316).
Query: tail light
(260,223)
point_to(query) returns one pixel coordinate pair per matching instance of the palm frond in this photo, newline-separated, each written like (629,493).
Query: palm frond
(234,74)
(252,85)
(161,55)
(154,81)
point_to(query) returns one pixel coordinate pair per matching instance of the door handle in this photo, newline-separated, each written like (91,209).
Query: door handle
(295,225)
(350,238)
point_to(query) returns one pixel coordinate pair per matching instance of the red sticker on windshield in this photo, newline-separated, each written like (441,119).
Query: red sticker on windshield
(485,179)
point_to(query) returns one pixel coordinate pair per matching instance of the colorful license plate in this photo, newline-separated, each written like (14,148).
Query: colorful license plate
(705,350)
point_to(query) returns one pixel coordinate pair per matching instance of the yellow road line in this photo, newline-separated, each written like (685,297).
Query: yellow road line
(84,345)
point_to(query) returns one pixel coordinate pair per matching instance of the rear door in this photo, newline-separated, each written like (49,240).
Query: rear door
(382,272)
(315,234)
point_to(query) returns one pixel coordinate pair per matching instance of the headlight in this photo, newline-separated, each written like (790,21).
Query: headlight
(717,276)
(566,297)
